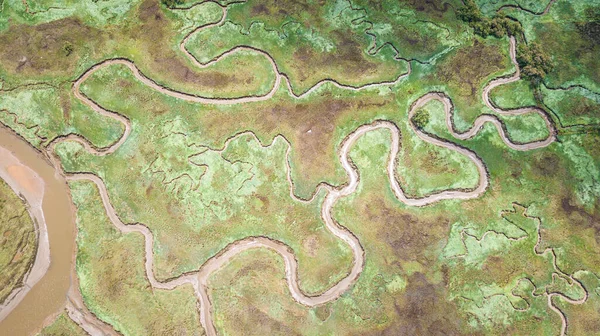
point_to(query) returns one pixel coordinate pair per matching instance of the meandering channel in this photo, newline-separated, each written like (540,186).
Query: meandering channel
(199,279)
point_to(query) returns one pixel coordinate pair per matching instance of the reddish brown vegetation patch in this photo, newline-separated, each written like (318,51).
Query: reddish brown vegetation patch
(424,310)
(547,164)
(157,36)
(307,65)
(580,217)
(469,66)
(435,8)
(40,50)
(407,235)
(313,127)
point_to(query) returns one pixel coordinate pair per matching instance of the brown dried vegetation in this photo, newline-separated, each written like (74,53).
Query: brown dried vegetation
(422,310)
(38,50)
(466,69)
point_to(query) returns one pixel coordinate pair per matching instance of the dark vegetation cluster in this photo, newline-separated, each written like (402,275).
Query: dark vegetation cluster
(499,25)
(68,49)
(171,3)
(534,62)
(420,119)
(591,28)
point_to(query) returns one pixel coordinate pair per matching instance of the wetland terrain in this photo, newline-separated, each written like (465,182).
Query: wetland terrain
(179,167)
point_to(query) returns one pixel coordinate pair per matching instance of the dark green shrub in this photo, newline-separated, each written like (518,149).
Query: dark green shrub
(469,12)
(499,25)
(591,28)
(171,3)
(420,119)
(534,62)
(68,49)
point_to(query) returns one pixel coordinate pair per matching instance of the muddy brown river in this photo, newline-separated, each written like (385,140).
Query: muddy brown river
(49,295)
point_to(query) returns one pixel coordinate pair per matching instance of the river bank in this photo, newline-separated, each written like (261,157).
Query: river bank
(47,284)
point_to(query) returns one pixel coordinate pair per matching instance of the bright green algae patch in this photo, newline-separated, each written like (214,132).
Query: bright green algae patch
(62,326)
(574,107)
(42,112)
(94,12)
(513,95)
(18,241)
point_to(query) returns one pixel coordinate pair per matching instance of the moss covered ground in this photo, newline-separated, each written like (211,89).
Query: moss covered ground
(201,176)
(62,326)
(110,268)
(18,241)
